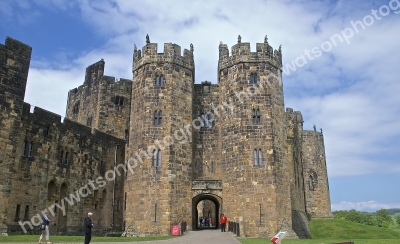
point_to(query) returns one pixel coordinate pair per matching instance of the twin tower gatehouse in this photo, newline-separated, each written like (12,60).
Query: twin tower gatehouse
(159,149)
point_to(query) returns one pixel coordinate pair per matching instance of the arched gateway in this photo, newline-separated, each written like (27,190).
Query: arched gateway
(206,203)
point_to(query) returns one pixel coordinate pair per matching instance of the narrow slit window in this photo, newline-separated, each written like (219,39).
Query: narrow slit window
(30,149)
(24,147)
(66,158)
(62,157)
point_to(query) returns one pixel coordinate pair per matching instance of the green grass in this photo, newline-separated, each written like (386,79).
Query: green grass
(333,231)
(34,238)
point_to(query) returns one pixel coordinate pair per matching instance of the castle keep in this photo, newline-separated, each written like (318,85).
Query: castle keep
(159,149)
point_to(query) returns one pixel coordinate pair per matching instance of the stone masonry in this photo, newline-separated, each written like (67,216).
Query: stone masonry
(175,145)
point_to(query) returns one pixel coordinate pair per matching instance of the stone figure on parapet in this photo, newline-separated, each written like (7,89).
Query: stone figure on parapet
(191,47)
(147,39)
(266,39)
(315,128)
(280,48)
(321,130)
(239,39)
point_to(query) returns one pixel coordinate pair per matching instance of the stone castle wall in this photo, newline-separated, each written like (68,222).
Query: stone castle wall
(45,160)
(294,128)
(316,175)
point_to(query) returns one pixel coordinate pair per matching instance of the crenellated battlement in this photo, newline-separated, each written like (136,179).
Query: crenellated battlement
(172,54)
(241,53)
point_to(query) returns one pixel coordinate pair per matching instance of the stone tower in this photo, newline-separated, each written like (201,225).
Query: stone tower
(15,58)
(160,139)
(255,187)
(102,102)
(315,172)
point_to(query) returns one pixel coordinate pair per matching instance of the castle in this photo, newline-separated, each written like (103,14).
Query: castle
(158,149)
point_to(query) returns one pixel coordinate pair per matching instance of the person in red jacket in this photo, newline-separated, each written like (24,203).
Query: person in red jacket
(222,220)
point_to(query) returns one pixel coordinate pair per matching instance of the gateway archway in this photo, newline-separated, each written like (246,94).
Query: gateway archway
(206,206)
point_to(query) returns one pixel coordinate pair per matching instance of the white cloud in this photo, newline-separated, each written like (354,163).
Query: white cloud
(369,206)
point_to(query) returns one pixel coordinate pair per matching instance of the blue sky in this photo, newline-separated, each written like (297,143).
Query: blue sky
(350,90)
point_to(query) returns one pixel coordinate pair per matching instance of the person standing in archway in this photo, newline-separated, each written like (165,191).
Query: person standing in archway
(222,220)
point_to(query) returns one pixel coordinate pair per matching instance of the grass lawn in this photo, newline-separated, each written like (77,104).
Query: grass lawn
(34,238)
(327,231)
(323,241)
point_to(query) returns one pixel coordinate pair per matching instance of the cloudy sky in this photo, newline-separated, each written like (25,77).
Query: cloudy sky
(341,61)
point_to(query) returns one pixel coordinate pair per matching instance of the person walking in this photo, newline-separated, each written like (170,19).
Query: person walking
(45,232)
(87,228)
(222,220)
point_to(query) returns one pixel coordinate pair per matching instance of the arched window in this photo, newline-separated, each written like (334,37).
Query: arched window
(310,183)
(253,78)
(256,116)
(51,190)
(157,118)
(156,158)
(257,155)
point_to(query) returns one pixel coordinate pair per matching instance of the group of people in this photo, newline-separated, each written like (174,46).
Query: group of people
(87,228)
(206,222)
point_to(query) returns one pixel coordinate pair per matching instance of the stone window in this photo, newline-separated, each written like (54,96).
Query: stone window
(125,202)
(212,167)
(24,148)
(206,89)
(89,121)
(256,116)
(86,158)
(16,219)
(27,149)
(47,131)
(156,158)
(253,78)
(102,168)
(62,157)
(66,157)
(51,190)
(310,183)
(257,154)
(119,100)
(127,137)
(207,120)
(26,215)
(30,149)
(312,180)
(75,109)
(157,118)
(160,80)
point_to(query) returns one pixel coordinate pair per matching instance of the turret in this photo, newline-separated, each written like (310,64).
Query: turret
(161,107)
